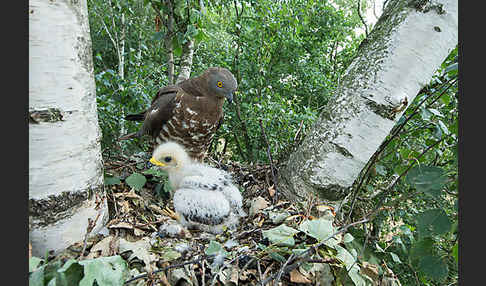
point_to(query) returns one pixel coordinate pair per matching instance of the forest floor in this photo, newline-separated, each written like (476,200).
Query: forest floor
(270,244)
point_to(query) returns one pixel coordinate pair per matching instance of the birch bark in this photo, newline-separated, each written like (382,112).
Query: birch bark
(186,61)
(407,45)
(65,164)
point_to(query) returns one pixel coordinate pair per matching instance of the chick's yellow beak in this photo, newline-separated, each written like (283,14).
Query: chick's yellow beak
(157,162)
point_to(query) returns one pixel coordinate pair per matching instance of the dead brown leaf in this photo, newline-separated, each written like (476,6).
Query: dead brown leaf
(271,191)
(297,277)
(370,270)
(257,205)
(125,206)
(138,231)
(100,249)
(128,195)
(155,208)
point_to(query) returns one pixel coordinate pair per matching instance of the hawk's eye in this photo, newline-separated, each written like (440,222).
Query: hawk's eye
(167,159)
(220,84)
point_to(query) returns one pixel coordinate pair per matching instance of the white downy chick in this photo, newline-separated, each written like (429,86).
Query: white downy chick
(205,197)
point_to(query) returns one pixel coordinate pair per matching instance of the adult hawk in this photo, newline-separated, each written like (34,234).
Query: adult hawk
(189,112)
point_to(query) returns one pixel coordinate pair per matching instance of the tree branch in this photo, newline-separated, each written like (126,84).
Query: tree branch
(362,19)
(272,168)
(394,134)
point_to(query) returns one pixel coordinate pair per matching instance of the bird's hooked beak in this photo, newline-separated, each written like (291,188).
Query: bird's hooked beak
(157,162)
(229,97)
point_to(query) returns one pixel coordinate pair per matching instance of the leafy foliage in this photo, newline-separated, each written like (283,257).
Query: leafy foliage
(281,235)
(288,57)
(136,181)
(416,230)
(112,270)
(427,179)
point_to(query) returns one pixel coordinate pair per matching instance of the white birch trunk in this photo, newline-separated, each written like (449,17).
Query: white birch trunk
(186,61)
(168,42)
(403,51)
(65,164)
(121,51)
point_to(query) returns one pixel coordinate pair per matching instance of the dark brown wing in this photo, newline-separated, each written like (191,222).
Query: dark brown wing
(165,90)
(160,93)
(159,112)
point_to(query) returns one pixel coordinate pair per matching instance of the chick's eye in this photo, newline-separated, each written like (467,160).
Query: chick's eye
(220,84)
(167,159)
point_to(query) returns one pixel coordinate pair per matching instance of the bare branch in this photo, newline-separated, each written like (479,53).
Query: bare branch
(272,167)
(362,19)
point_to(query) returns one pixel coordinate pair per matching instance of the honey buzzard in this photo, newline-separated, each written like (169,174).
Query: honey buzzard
(189,112)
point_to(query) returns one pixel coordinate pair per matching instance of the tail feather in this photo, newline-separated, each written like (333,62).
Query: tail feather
(129,136)
(135,117)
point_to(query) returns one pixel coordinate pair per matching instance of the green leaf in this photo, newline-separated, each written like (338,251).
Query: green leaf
(215,248)
(37,277)
(158,36)
(452,67)
(436,112)
(406,231)
(155,172)
(194,16)
(112,180)
(70,274)
(45,275)
(432,222)
(421,248)
(349,261)
(34,263)
(277,257)
(379,248)
(446,98)
(344,255)
(50,272)
(281,235)
(320,229)
(170,254)
(395,257)
(443,127)
(136,181)
(427,179)
(425,113)
(380,170)
(111,270)
(200,36)
(348,238)
(176,46)
(434,267)
(455,250)
(159,190)
(191,32)
(437,132)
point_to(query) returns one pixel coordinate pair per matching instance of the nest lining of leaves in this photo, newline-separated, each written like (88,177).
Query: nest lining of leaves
(267,245)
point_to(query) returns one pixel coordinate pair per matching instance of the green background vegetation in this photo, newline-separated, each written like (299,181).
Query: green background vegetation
(288,57)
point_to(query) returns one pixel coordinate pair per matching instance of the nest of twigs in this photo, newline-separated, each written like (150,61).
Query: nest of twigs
(245,256)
